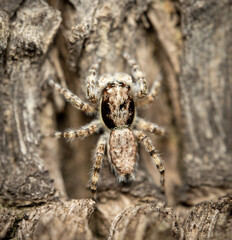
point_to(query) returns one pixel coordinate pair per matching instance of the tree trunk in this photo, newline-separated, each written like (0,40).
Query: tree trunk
(44,188)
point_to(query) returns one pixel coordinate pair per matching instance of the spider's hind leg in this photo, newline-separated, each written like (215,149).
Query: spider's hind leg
(98,160)
(143,138)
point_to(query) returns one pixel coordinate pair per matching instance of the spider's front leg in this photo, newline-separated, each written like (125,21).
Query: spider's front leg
(85,131)
(150,127)
(91,93)
(152,95)
(138,76)
(98,159)
(146,141)
(72,98)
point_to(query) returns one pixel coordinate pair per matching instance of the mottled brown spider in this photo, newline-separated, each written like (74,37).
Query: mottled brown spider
(114,100)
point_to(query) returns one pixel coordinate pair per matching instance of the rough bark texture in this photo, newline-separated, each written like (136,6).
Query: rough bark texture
(206,97)
(43,184)
(26,38)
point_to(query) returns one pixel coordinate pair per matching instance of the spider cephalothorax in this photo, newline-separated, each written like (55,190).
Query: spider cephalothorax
(117,105)
(116,98)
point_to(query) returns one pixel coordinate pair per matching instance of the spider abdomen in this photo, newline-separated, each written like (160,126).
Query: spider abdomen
(117,105)
(122,151)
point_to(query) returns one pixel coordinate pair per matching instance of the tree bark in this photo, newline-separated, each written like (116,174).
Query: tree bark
(43,183)
(205,84)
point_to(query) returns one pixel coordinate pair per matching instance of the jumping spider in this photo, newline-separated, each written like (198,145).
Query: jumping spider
(115,99)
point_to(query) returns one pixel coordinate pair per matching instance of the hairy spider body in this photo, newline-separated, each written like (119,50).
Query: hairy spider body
(122,153)
(116,97)
(118,112)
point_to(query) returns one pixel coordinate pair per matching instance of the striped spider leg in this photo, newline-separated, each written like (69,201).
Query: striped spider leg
(146,141)
(91,82)
(138,75)
(98,160)
(152,95)
(84,131)
(72,98)
(150,127)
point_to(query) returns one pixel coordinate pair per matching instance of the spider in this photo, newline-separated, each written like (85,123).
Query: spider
(114,99)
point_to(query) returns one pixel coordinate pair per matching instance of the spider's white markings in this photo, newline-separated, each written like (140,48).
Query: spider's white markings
(114,100)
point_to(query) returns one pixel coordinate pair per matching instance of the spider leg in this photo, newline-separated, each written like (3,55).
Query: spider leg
(146,141)
(152,95)
(85,131)
(150,127)
(138,76)
(91,79)
(98,160)
(73,99)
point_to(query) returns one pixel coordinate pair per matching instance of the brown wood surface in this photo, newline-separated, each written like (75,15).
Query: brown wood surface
(44,191)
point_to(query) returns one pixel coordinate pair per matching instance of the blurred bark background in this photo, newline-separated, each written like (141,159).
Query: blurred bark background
(44,184)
